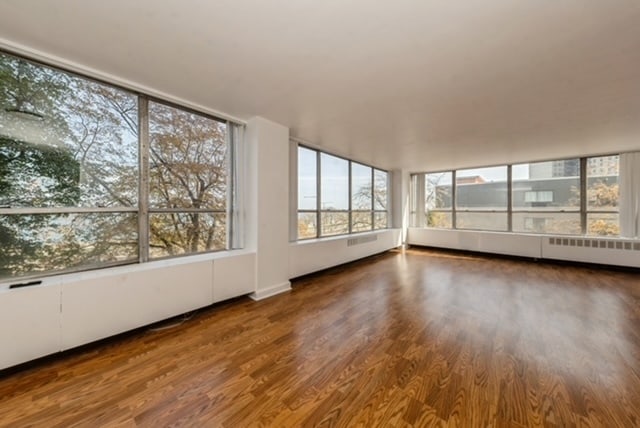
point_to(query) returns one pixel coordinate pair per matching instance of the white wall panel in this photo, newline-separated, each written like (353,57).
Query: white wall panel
(234,276)
(490,242)
(433,238)
(510,244)
(535,246)
(127,298)
(314,255)
(29,323)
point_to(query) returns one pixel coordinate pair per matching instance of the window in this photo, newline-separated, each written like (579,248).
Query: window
(546,197)
(307,193)
(380,199)
(602,195)
(438,199)
(540,197)
(481,198)
(334,195)
(69,174)
(361,197)
(68,171)
(187,182)
(353,196)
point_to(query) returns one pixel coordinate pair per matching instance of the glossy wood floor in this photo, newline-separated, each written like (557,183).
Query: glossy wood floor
(421,338)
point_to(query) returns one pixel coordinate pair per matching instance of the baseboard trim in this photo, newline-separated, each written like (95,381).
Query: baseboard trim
(271,291)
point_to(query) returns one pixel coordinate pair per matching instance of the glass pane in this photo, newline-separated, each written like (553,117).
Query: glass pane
(439,220)
(307,179)
(172,234)
(361,188)
(334,223)
(380,220)
(64,140)
(439,190)
(482,188)
(603,224)
(361,221)
(553,185)
(380,193)
(602,183)
(187,160)
(334,176)
(39,243)
(307,225)
(556,223)
(482,221)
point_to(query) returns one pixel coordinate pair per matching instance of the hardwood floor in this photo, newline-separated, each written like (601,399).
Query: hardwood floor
(421,338)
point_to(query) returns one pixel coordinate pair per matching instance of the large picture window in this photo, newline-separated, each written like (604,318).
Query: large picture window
(603,191)
(439,199)
(70,169)
(546,197)
(352,196)
(567,196)
(481,198)
(187,182)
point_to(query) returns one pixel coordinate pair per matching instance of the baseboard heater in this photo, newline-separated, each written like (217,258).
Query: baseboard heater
(596,243)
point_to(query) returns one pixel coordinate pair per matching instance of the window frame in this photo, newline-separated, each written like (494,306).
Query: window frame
(533,212)
(583,210)
(151,210)
(318,211)
(587,209)
(451,211)
(142,207)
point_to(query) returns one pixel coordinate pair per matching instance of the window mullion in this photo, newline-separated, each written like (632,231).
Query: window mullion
(350,206)
(583,196)
(318,196)
(143,181)
(509,198)
(373,201)
(454,189)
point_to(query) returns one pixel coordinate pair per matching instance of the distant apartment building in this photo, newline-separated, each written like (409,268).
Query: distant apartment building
(602,166)
(560,168)
(596,167)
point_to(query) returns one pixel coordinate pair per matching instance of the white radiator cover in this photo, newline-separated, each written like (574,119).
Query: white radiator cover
(101,307)
(616,252)
(71,310)
(313,255)
(29,323)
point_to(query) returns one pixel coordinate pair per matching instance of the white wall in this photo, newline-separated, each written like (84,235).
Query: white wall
(29,323)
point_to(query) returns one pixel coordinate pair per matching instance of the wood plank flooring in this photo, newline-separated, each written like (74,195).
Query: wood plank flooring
(421,338)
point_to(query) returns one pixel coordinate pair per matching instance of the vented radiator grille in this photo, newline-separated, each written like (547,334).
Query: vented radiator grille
(596,243)
(361,240)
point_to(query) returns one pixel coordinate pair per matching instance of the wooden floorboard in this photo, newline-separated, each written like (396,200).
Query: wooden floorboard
(417,338)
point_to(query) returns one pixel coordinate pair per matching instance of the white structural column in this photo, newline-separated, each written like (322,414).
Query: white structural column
(630,195)
(400,215)
(267,204)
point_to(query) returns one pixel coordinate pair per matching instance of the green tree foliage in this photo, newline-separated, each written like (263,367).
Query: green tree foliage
(67,141)
(38,176)
(188,170)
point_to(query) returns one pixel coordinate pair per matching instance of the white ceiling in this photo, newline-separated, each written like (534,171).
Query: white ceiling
(415,84)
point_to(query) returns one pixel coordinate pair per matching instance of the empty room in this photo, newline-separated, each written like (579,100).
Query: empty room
(320,213)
